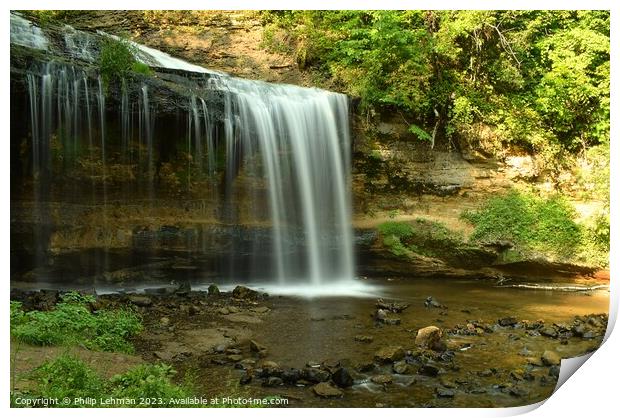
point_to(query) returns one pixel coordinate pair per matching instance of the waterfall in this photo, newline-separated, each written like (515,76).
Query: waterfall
(284,149)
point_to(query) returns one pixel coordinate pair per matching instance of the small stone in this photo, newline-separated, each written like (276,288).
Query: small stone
(535,361)
(364,338)
(342,378)
(233,309)
(234,357)
(485,373)
(326,390)
(273,381)
(164,321)
(256,347)
(445,382)
(551,358)
(315,375)
(245,364)
(428,370)
(554,371)
(549,332)
(245,379)
(365,366)
(141,300)
(401,367)
(382,379)
(261,309)
(390,354)
(431,302)
(507,322)
(223,311)
(444,393)
(292,376)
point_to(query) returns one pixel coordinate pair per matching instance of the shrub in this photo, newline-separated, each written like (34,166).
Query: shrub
(148,381)
(117,60)
(531,223)
(71,322)
(67,376)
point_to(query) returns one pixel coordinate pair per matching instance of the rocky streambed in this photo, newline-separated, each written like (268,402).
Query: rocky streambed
(418,343)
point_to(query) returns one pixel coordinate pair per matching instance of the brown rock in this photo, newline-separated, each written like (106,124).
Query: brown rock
(430,337)
(326,390)
(390,354)
(551,358)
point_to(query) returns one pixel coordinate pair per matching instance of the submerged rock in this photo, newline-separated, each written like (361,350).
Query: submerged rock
(390,354)
(382,379)
(428,370)
(401,367)
(364,338)
(273,381)
(391,307)
(445,393)
(326,390)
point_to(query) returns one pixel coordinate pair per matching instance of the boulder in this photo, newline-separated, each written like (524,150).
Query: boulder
(242,292)
(431,338)
(326,390)
(390,354)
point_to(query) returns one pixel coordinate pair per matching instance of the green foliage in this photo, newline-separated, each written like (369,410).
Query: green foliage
(533,224)
(141,68)
(117,61)
(420,236)
(538,79)
(71,322)
(148,381)
(67,376)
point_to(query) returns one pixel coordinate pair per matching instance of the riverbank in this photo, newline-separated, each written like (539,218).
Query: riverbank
(494,346)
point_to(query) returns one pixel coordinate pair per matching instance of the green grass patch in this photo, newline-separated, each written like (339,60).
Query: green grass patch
(531,223)
(421,236)
(143,386)
(71,322)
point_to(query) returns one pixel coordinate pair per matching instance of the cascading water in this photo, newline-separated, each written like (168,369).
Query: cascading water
(285,147)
